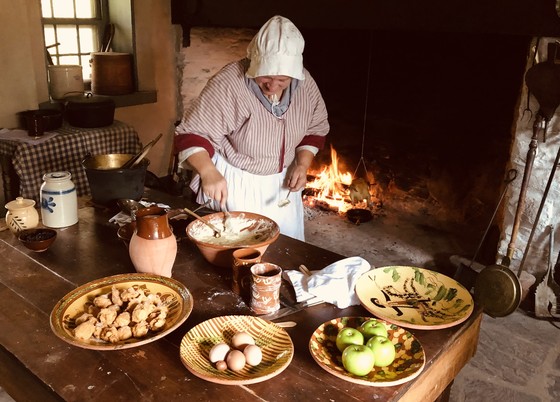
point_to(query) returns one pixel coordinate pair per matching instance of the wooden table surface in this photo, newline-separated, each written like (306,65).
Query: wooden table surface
(37,365)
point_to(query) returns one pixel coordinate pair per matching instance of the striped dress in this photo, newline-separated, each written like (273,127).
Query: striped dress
(242,136)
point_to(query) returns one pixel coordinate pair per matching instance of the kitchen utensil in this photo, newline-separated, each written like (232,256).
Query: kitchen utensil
(89,110)
(129,206)
(243,259)
(52,118)
(547,293)
(288,310)
(543,80)
(21,214)
(286,324)
(285,201)
(108,182)
(529,161)
(359,215)
(217,232)
(275,343)
(261,232)
(175,295)
(136,159)
(537,217)
(511,176)
(266,279)
(37,239)
(414,297)
(408,364)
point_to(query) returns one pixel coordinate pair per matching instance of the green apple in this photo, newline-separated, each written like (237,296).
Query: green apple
(383,350)
(371,328)
(348,336)
(358,359)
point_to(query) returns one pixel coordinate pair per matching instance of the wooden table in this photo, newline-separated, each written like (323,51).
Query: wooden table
(37,365)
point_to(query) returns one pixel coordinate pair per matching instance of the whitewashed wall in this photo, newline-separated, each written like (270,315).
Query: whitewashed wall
(537,257)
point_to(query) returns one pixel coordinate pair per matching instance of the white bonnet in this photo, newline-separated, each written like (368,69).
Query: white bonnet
(277,49)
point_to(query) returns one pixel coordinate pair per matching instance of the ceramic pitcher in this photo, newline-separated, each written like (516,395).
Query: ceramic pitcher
(153,246)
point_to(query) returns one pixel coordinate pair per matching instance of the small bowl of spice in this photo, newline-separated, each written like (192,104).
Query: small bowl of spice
(37,239)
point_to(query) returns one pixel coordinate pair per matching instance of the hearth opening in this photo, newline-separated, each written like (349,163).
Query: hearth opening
(428,115)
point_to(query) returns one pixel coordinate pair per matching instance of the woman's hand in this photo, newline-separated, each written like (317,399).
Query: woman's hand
(213,183)
(296,179)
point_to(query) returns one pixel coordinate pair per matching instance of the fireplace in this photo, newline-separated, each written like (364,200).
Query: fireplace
(433,112)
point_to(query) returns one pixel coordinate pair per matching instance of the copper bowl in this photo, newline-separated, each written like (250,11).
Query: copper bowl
(37,239)
(261,233)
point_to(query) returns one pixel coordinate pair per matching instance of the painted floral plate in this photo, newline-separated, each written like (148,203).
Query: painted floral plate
(175,298)
(408,364)
(275,343)
(414,297)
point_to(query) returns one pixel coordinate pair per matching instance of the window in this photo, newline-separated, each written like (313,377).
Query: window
(73,29)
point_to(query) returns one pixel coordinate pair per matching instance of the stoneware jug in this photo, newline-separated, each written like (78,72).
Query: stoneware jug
(21,215)
(153,246)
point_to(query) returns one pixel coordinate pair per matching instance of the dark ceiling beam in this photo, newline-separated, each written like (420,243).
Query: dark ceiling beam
(509,17)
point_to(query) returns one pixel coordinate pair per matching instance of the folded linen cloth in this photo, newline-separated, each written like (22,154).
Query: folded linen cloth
(122,218)
(333,284)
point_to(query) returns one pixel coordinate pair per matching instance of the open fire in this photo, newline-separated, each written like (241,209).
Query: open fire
(336,190)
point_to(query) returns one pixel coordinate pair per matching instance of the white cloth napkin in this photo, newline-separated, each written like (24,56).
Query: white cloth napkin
(23,136)
(122,218)
(333,284)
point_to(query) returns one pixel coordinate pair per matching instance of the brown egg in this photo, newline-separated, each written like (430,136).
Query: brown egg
(235,360)
(253,354)
(242,339)
(221,365)
(218,352)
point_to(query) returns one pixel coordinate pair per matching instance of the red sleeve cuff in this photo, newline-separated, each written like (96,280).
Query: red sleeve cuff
(189,140)
(317,141)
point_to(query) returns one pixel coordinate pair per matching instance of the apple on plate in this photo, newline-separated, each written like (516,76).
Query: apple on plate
(348,336)
(358,359)
(383,350)
(371,328)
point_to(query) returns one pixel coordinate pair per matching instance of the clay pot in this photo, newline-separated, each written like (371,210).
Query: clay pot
(153,246)
(21,215)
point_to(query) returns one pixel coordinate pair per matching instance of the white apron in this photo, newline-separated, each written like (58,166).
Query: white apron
(258,194)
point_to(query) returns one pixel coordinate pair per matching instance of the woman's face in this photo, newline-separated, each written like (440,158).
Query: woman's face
(273,84)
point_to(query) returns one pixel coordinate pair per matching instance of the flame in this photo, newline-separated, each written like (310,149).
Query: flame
(331,186)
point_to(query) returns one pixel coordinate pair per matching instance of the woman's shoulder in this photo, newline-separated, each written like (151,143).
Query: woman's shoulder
(234,71)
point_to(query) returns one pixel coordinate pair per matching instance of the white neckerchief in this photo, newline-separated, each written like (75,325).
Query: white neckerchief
(277,108)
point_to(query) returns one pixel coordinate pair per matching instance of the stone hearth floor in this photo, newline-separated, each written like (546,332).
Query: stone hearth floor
(518,356)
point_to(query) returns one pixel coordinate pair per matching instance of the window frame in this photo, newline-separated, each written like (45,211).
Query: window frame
(100,22)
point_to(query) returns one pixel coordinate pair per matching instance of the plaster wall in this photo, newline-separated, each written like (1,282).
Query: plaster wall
(23,82)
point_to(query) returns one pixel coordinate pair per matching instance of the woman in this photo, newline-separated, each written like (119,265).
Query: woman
(252,133)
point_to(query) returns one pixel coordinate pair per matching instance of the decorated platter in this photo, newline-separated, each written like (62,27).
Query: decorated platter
(414,297)
(168,301)
(275,343)
(408,364)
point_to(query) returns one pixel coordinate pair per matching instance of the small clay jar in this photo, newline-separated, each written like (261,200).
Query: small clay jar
(153,246)
(21,215)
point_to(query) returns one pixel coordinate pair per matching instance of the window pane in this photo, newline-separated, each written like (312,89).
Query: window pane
(87,39)
(49,37)
(46,10)
(85,9)
(68,39)
(63,8)
(69,60)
